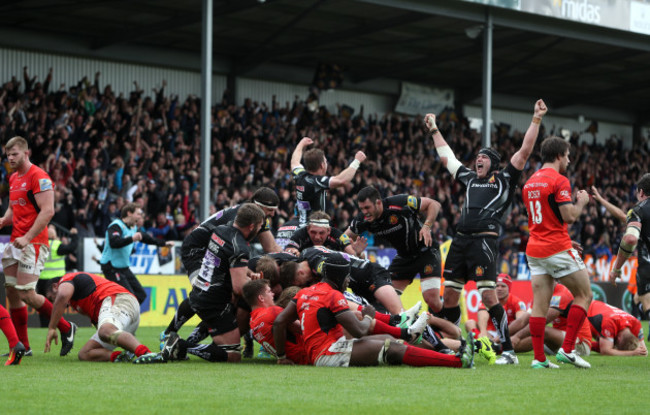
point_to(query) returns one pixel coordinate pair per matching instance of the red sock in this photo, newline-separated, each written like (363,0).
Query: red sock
(115,354)
(140,350)
(384,318)
(595,346)
(574,321)
(415,356)
(7,327)
(383,328)
(19,317)
(477,333)
(46,310)
(537,327)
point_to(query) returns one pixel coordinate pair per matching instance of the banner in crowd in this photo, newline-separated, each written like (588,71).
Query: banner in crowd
(145,259)
(419,99)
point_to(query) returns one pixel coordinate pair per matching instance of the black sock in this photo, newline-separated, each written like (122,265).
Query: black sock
(394,320)
(405,334)
(199,333)
(432,337)
(181,316)
(451,314)
(210,352)
(500,321)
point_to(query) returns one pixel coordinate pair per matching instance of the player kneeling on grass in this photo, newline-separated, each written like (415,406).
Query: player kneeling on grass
(111,308)
(323,313)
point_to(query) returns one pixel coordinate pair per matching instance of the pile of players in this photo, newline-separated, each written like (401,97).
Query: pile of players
(309,266)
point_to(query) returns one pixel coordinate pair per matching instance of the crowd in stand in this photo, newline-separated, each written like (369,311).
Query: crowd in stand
(104,149)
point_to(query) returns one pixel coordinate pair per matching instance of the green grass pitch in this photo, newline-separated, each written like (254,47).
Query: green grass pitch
(49,384)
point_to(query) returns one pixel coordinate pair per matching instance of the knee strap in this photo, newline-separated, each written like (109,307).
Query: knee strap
(430,284)
(486,285)
(112,339)
(231,348)
(454,285)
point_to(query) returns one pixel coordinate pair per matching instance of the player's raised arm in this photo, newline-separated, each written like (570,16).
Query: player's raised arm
(519,159)
(615,211)
(297,153)
(447,156)
(348,173)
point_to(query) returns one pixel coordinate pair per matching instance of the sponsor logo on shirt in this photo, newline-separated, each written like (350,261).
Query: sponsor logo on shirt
(492,185)
(555,301)
(389,230)
(412,202)
(300,188)
(45,184)
(564,193)
(536,185)
(218,240)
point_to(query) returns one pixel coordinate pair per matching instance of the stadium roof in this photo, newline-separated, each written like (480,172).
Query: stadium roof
(427,42)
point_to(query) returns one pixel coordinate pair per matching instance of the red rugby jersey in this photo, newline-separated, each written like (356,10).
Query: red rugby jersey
(90,290)
(21,198)
(543,194)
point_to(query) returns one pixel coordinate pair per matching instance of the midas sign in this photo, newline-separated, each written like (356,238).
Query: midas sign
(164,295)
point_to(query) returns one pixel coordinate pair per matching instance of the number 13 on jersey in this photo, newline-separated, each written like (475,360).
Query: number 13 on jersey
(535,211)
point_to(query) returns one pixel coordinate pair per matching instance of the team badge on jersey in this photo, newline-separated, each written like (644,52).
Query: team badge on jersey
(319,268)
(412,202)
(479,271)
(492,179)
(428,269)
(392,220)
(45,184)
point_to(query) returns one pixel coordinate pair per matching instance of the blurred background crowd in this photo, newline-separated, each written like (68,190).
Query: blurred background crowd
(104,149)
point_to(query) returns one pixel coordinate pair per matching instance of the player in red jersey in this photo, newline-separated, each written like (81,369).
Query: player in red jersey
(617,333)
(558,311)
(111,308)
(31,206)
(323,313)
(259,296)
(550,252)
